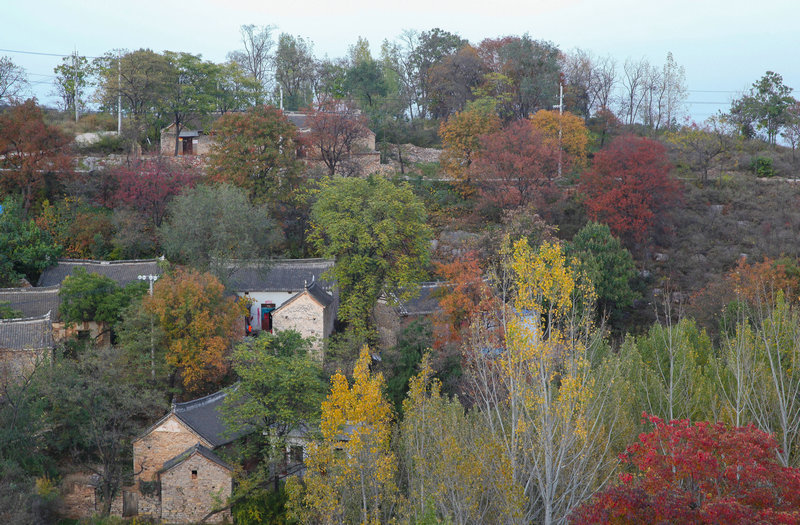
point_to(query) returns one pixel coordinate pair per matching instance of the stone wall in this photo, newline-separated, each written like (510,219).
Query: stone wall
(192,488)
(77,493)
(304,315)
(201,147)
(15,364)
(163,443)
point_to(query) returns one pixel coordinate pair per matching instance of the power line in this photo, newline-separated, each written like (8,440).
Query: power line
(40,53)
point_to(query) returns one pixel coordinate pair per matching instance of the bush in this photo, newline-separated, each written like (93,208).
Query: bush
(762,167)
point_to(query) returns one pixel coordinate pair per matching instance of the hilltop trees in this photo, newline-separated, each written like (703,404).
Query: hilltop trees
(13,80)
(764,108)
(630,188)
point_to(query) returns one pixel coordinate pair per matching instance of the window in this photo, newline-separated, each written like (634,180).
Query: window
(296,454)
(194,474)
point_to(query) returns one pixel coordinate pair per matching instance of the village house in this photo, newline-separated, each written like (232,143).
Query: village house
(121,272)
(289,294)
(24,343)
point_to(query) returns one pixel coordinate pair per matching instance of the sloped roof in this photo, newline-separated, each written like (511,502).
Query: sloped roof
(316,291)
(296,118)
(426,303)
(29,333)
(194,449)
(122,272)
(281,275)
(32,302)
(204,417)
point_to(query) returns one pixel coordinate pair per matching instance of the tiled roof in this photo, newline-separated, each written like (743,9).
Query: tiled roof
(204,417)
(281,275)
(32,302)
(426,303)
(30,333)
(123,272)
(195,449)
(319,294)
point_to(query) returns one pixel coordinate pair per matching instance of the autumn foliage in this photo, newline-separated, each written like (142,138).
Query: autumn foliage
(460,136)
(336,129)
(701,473)
(574,135)
(30,152)
(630,189)
(516,166)
(200,322)
(147,186)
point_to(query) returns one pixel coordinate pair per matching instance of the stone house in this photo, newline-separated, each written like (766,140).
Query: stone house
(45,295)
(289,294)
(178,475)
(192,140)
(24,343)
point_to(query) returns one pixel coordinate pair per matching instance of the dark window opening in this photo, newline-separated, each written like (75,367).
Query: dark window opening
(194,474)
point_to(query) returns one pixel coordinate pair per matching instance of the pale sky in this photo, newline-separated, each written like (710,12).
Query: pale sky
(724,45)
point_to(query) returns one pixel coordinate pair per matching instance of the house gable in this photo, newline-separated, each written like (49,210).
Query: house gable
(163,441)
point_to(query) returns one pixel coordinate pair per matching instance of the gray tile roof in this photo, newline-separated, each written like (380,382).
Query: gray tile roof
(195,449)
(32,302)
(281,275)
(298,119)
(426,303)
(123,272)
(29,333)
(318,293)
(204,417)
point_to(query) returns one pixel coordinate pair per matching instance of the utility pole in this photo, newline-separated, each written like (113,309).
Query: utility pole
(560,125)
(151,279)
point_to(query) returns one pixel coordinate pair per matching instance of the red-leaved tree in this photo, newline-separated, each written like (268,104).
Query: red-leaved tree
(516,166)
(31,152)
(701,473)
(337,128)
(630,189)
(147,186)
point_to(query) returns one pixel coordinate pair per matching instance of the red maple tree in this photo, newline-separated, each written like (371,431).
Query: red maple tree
(516,166)
(147,186)
(31,152)
(701,473)
(630,189)
(337,128)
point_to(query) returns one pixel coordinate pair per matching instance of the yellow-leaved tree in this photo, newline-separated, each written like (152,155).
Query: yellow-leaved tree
(460,140)
(351,474)
(545,392)
(574,138)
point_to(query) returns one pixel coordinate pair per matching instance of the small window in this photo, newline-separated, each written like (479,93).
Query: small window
(194,474)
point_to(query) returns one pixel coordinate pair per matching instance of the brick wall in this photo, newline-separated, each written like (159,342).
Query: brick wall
(192,488)
(304,315)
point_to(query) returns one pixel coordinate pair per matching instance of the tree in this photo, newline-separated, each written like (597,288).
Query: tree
(671,371)
(357,484)
(255,151)
(700,145)
(32,152)
(791,130)
(25,250)
(701,473)
(364,81)
(13,81)
(81,230)
(280,390)
(189,89)
(376,230)
(294,71)
(255,59)
(664,94)
(336,130)
(72,79)
(450,459)
(536,388)
(93,413)
(516,166)
(532,66)
(425,50)
(452,80)
(606,263)
(213,227)
(765,106)
(199,322)
(461,143)
(94,297)
(148,186)
(565,130)
(630,189)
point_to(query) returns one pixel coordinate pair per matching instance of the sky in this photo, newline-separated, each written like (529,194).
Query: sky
(724,45)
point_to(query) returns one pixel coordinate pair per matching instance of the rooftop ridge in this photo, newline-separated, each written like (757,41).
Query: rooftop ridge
(100,262)
(45,317)
(26,289)
(199,402)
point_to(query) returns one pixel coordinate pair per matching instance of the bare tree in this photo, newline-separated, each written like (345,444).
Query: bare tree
(604,80)
(13,81)
(256,58)
(336,130)
(634,82)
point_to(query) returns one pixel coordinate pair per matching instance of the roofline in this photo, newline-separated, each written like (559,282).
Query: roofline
(295,297)
(164,418)
(27,289)
(191,451)
(99,262)
(44,317)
